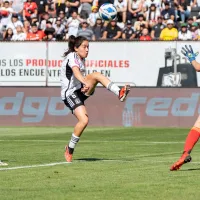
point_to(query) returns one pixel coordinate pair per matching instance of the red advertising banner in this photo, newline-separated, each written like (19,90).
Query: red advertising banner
(157,107)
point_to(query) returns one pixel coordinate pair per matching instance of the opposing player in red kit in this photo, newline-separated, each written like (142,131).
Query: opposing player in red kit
(194,133)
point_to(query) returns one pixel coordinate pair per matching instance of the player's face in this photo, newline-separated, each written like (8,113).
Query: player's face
(83,49)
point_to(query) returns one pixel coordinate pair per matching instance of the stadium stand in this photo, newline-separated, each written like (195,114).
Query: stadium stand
(56,20)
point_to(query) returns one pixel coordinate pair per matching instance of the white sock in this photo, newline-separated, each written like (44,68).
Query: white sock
(74,140)
(113,88)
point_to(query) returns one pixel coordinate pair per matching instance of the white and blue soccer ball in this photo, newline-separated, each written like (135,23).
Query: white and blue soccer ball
(108,12)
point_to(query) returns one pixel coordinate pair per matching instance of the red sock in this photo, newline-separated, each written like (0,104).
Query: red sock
(192,139)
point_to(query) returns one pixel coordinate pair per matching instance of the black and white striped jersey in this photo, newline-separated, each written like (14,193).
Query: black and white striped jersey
(69,83)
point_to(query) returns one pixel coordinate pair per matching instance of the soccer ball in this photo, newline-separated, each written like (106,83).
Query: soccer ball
(108,12)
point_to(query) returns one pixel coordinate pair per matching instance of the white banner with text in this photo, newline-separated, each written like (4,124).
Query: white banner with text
(147,64)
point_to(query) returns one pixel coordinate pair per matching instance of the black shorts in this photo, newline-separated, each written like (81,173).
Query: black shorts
(75,100)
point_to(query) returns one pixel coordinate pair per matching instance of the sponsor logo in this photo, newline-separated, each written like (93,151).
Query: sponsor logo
(35,109)
(171,79)
(32,109)
(165,106)
(77,101)
(159,107)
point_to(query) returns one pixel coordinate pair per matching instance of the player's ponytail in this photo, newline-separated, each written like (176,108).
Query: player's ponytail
(71,44)
(74,42)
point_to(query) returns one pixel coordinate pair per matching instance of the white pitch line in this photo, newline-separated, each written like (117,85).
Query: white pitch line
(33,166)
(88,141)
(58,163)
(62,163)
(46,141)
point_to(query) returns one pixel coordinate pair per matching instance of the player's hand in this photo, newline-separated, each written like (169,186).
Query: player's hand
(189,53)
(86,87)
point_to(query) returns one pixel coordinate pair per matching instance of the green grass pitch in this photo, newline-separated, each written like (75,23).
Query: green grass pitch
(109,164)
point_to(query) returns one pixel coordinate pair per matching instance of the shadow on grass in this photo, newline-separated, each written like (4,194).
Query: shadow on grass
(193,169)
(102,159)
(90,159)
(4,160)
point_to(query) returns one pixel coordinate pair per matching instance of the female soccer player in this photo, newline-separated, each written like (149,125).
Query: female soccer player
(194,133)
(76,87)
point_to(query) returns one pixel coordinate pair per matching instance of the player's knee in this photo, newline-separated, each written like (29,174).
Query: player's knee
(96,75)
(85,120)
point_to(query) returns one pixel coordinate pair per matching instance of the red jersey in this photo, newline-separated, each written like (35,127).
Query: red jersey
(35,36)
(145,38)
(30,8)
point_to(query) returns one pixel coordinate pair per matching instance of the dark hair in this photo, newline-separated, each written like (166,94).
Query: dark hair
(74,42)
(6,36)
(150,15)
(96,23)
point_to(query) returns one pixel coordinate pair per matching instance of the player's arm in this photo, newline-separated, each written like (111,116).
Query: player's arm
(80,77)
(77,74)
(191,56)
(196,65)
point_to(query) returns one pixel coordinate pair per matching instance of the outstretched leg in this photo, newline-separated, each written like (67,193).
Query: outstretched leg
(191,140)
(81,113)
(97,77)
